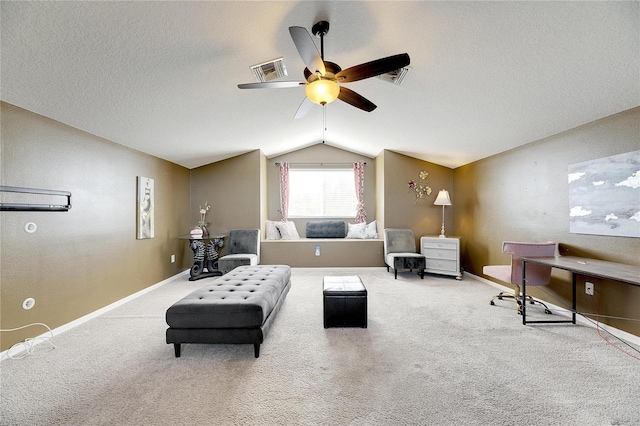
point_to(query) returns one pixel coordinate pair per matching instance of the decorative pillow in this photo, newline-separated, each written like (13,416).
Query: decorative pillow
(272,231)
(371,230)
(288,230)
(356,230)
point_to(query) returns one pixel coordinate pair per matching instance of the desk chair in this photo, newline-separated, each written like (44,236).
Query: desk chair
(400,251)
(537,275)
(244,249)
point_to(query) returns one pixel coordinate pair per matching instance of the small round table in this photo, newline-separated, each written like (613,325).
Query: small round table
(205,255)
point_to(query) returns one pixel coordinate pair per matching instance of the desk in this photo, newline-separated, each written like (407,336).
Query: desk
(627,274)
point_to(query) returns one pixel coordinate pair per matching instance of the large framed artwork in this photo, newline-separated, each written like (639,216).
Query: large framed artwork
(145,208)
(604,196)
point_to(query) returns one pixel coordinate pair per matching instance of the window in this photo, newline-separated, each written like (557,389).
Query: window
(322,192)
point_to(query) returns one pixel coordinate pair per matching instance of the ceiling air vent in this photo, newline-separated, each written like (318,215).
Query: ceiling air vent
(395,76)
(268,71)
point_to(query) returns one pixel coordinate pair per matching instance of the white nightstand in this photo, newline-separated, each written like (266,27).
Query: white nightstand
(442,255)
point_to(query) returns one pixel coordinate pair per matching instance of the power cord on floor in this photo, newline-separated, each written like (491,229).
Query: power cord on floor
(598,328)
(27,347)
(596,323)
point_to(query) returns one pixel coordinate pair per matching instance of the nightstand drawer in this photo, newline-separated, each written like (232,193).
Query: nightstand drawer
(451,254)
(442,245)
(444,265)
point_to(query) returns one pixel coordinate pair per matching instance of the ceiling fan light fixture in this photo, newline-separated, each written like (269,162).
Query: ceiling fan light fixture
(322,92)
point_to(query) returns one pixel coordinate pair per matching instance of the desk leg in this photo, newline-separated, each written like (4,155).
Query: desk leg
(573,297)
(524,297)
(524,292)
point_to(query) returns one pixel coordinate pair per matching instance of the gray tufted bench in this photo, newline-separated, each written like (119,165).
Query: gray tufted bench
(238,307)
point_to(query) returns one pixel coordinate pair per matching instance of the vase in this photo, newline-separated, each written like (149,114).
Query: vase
(205,231)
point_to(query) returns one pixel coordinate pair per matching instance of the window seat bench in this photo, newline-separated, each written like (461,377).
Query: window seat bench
(334,252)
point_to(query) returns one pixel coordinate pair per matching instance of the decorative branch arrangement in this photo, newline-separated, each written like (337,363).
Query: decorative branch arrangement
(203,214)
(420,189)
(203,219)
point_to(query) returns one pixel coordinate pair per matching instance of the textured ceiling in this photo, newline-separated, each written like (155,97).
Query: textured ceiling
(161,77)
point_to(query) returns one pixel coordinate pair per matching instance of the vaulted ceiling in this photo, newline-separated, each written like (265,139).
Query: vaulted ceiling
(161,77)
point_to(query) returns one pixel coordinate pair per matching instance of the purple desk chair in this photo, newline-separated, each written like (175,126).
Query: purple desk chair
(537,275)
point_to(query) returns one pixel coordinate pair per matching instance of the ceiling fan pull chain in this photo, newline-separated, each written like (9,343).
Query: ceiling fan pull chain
(324,121)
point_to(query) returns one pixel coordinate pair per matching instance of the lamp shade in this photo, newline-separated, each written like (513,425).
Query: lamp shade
(443,198)
(322,91)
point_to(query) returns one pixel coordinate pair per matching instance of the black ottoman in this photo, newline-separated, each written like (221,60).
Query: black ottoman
(345,302)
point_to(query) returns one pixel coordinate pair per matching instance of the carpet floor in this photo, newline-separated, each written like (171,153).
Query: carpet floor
(434,353)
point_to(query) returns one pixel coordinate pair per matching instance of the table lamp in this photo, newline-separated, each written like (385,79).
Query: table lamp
(442,200)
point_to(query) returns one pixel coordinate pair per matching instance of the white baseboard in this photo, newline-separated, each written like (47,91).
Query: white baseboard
(341,268)
(5,354)
(621,334)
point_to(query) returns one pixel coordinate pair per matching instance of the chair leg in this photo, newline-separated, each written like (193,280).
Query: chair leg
(517,296)
(501,296)
(534,301)
(396,273)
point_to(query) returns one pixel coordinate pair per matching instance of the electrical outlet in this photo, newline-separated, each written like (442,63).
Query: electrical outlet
(589,288)
(317,250)
(28,303)
(173,258)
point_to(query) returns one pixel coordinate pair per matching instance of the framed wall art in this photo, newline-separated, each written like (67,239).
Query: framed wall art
(145,209)
(604,196)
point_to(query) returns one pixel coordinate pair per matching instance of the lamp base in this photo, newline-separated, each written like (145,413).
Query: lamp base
(442,232)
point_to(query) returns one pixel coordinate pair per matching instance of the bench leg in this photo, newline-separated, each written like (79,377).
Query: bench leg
(176,349)
(256,349)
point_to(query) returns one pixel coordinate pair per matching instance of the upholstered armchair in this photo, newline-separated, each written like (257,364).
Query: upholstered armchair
(243,249)
(400,251)
(537,275)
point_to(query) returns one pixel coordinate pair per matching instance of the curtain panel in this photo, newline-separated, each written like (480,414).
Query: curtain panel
(284,190)
(358,171)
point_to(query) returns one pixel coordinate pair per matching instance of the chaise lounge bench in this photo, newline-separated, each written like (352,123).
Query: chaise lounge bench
(238,307)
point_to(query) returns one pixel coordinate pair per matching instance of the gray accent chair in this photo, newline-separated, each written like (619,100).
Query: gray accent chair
(243,249)
(400,251)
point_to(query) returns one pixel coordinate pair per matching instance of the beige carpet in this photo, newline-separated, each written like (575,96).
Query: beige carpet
(435,353)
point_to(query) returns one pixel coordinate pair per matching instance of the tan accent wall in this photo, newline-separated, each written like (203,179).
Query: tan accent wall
(401,210)
(264,213)
(379,191)
(522,195)
(81,260)
(233,188)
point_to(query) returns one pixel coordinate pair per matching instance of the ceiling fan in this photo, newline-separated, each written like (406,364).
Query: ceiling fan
(323,78)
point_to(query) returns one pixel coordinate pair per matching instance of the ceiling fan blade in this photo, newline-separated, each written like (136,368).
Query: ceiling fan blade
(304,108)
(373,68)
(272,85)
(307,49)
(358,101)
